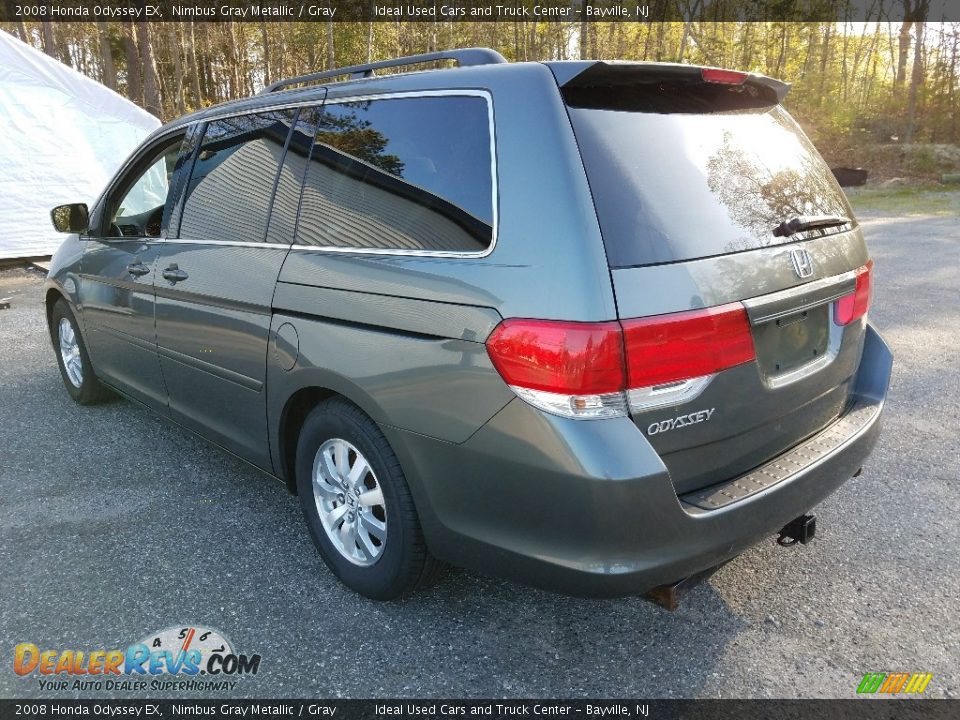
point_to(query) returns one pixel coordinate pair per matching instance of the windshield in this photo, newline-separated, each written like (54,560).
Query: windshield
(670,187)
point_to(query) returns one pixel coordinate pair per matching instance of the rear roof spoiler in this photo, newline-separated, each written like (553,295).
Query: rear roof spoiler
(630,74)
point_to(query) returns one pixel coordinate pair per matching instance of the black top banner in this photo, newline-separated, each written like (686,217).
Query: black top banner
(478,10)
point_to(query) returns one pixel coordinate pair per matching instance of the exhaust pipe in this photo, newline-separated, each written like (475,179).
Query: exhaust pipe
(669,596)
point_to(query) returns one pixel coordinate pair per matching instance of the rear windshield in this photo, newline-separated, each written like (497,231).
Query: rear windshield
(670,187)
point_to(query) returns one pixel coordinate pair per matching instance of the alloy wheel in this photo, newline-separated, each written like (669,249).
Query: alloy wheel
(350,502)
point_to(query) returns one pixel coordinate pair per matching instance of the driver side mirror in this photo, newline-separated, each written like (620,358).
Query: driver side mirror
(72,218)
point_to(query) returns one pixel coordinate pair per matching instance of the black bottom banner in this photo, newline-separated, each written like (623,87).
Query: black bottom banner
(368,709)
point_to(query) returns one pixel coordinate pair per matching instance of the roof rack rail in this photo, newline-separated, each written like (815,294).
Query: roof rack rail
(464,57)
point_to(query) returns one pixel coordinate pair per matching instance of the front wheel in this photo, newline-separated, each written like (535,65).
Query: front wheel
(72,358)
(357,505)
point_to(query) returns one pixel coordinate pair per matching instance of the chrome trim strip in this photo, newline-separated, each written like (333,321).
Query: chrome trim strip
(229,243)
(783,303)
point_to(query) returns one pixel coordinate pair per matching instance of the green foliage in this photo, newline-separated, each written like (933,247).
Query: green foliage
(843,74)
(928,199)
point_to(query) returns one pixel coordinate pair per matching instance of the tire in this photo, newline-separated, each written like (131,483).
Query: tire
(76,370)
(371,541)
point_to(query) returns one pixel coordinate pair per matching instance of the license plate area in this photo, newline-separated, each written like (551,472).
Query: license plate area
(794,342)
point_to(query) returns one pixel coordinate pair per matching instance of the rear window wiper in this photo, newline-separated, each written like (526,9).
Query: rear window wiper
(809,222)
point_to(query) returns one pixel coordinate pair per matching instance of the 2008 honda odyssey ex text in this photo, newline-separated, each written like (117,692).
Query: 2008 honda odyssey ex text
(597,327)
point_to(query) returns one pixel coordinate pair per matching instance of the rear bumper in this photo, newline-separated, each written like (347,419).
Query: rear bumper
(588,508)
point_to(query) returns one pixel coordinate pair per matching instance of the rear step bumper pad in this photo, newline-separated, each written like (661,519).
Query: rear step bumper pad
(849,425)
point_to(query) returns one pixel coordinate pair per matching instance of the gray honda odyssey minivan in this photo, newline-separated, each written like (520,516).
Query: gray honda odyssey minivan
(593,326)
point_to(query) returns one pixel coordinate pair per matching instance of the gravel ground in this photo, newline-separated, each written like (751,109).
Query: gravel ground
(114,523)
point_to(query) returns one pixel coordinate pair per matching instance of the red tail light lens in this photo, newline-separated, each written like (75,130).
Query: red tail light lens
(855,305)
(584,369)
(679,346)
(559,357)
(724,77)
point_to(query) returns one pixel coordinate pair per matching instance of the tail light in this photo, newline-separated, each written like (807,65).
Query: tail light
(855,305)
(592,370)
(567,368)
(686,345)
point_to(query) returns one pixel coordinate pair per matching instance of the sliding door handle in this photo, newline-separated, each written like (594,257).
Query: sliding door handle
(138,269)
(174,274)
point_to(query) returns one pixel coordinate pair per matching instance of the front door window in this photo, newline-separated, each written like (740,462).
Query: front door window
(139,210)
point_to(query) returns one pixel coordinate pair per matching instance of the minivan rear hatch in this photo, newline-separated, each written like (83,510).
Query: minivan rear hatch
(734,257)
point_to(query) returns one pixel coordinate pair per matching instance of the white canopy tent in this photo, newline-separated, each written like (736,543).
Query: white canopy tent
(62,136)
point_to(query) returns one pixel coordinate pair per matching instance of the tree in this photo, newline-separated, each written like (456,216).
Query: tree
(107,69)
(49,44)
(920,10)
(134,82)
(151,83)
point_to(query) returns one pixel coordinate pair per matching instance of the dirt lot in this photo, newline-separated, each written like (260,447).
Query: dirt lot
(114,523)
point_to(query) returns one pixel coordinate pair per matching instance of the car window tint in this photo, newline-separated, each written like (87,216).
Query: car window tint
(229,193)
(406,174)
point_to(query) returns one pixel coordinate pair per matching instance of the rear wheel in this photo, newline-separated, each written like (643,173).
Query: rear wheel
(72,358)
(357,504)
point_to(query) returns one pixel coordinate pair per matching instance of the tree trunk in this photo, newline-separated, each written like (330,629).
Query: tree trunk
(22,31)
(176,82)
(824,59)
(331,55)
(686,30)
(916,77)
(266,53)
(49,44)
(151,84)
(134,82)
(108,71)
(195,69)
(901,75)
(683,41)
(585,33)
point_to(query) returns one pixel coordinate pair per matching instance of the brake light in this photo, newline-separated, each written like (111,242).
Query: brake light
(586,370)
(685,345)
(855,305)
(724,77)
(559,357)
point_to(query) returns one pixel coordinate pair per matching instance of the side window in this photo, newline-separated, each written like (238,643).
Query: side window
(139,204)
(403,174)
(230,191)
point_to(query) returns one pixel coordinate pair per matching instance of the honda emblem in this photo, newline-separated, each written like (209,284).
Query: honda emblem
(802,263)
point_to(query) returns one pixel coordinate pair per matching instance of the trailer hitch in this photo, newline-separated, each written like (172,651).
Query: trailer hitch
(799,530)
